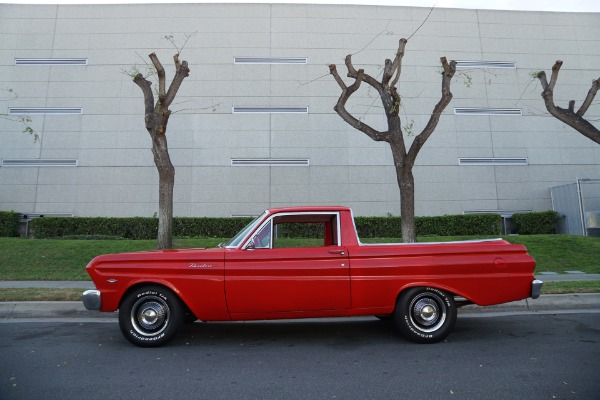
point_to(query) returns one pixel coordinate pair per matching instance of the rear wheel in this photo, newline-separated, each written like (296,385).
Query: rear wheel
(425,315)
(150,316)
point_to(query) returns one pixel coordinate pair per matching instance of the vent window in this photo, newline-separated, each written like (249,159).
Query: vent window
(493,161)
(270,162)
(51,61)
(45,110)
(487,64)
(39,162)
(270,110)
(487,111)
(270,60)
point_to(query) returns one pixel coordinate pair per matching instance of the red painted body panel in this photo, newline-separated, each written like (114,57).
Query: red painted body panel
(340,278)
(283,280)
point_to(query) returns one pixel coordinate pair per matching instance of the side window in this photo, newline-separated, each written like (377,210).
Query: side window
(290,235)
(321,232)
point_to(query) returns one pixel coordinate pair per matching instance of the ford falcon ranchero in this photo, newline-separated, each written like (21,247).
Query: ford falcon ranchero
(261,275)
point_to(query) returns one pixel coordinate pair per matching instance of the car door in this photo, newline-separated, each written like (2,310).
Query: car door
(260,279)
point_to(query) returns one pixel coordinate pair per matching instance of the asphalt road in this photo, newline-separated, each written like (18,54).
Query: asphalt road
(541,356)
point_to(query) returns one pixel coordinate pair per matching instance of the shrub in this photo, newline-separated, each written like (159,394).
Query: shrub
(536,223)
(128,228)
(9,222)
(370,227)
(367,227)
(447,225)
(460,225)
(135,227)
(208,227)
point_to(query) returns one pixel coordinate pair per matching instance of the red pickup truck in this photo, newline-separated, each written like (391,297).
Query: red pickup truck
(262,274)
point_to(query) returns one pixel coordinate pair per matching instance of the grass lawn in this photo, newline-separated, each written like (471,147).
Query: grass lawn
(48,259)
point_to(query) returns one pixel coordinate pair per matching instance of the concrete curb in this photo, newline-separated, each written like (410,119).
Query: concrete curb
(575,301)
(48,309)
(75,309)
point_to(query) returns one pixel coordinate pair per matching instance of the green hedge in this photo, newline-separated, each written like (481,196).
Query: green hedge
(447,225)
(9,222)
(208,227)
(460,225)
(536,223)
(128,228)
(134,228)
(147,228)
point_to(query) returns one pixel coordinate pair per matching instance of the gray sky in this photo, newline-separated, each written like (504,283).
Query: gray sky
(533,5)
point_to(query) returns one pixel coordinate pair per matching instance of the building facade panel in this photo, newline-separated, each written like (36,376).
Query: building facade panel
(246,136)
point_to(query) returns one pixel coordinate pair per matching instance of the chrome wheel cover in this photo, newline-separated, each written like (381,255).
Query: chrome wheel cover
(150,316)
(427,312)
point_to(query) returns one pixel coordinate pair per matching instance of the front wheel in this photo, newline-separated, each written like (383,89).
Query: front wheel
(150,316)
(425,315)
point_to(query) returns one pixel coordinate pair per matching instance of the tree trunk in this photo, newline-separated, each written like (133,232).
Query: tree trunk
(407,207)
(406,184)
(166,175)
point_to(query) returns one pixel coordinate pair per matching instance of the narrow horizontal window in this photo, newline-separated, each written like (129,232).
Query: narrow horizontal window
(270,60)
(270,162)
(503,213)
(486,64)
(493,161)
(270,110)
(45,110)
(51,61)
(30,216)
(39,162)
(487,111)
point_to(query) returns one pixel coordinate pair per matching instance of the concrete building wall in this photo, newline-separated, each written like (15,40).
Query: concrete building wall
(115,174)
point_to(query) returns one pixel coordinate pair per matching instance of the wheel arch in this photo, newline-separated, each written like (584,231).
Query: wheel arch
(459,297)
(138,284)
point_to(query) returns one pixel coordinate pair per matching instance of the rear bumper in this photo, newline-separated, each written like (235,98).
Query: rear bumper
(536,288)
(91,299)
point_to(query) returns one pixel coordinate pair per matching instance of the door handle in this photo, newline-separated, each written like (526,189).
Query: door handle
(340,252)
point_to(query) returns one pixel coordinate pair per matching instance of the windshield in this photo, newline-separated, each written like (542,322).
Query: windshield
(237,239)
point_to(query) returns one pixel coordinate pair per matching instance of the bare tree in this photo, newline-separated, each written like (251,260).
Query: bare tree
(404,159)
(156,117)
(569,116)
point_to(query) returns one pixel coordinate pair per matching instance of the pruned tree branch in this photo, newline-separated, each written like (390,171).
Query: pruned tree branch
(160,70)
(447,75)
(340,106)
(397,64)
(589,98)
(574,119)
(182,72)
(394,135)
(146,87)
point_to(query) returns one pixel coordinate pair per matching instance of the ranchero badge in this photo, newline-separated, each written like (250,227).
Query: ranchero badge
(194,265)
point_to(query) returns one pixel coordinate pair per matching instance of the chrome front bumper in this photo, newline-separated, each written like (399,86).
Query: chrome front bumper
(91,299)
(536,288)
